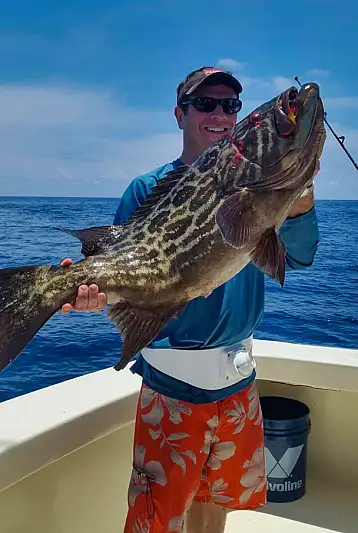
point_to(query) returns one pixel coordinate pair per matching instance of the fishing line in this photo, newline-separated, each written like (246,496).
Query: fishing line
(340,139)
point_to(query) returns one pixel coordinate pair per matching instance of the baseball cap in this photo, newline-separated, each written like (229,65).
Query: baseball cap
(197,77)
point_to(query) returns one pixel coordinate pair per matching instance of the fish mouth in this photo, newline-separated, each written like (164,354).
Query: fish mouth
(292,103)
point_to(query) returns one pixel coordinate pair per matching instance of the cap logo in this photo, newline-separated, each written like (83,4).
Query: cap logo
(209,71)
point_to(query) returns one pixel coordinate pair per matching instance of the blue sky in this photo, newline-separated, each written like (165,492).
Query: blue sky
(87,89)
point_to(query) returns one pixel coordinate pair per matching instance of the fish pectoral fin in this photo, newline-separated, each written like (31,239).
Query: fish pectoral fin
(95,240)
(270,256)
(138,327)
(234,218)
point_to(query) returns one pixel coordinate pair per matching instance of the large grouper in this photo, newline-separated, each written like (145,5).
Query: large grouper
(200,226)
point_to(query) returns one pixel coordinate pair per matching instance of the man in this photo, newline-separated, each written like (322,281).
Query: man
(199,443)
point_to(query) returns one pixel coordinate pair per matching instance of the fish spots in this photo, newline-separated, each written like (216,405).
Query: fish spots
(176,229)
(266,142)
(196,203)
(158,220)
(178,213)
(202,218)
(198,233)
(140,235)
(166,202)
(151,240)
(189,259)
(270,143)
(202,197)
(182,195)
(138,228)
(141,250)
(172,248)
(208,160)
(253,172)
(152,254)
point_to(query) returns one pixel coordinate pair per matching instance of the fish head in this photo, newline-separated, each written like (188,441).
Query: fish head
(278,142)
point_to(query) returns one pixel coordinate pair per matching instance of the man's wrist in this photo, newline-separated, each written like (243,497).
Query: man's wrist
(303,204)
(308,190)
(306,201)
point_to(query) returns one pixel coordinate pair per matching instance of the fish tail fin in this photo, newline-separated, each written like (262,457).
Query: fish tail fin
(23,308)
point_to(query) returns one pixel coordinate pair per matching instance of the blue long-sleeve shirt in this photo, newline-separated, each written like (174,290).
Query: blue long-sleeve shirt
(231,313)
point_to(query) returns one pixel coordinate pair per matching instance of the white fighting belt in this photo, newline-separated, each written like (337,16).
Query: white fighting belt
(210,369)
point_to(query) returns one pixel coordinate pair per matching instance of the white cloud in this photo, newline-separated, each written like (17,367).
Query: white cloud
(275,83)
(267,86)
(338,178)
(280,83)
(60,105)
(248,81)
(75,140)
(318,72)
(123,160)
(343,102)
(231,64)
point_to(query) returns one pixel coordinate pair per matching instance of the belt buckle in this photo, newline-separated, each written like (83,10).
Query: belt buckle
(242,360)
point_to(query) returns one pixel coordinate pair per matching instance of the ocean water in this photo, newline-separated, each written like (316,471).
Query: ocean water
(316,306)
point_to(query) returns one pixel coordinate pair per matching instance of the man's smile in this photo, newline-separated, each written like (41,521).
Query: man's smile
(215,129)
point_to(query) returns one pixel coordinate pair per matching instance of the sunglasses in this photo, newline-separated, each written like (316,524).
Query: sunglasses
(208,104)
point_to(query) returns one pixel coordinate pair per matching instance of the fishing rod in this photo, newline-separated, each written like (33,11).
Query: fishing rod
(340,139)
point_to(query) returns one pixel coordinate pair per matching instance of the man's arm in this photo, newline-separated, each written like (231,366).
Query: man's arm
(302,206)
(300,234)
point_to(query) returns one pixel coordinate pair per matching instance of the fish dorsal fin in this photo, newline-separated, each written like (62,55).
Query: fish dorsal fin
(95,240)
(158,192)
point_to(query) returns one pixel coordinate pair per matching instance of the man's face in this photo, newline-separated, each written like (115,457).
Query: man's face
(198,127)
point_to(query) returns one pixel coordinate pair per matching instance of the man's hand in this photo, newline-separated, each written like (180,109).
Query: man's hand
(304,203)
(88,297)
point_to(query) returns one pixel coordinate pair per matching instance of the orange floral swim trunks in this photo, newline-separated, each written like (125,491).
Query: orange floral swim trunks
(210,453)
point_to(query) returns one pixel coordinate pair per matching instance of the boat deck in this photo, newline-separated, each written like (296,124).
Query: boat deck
(66,451)
(326,507)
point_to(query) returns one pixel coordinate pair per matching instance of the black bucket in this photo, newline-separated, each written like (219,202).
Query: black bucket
(287,426)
